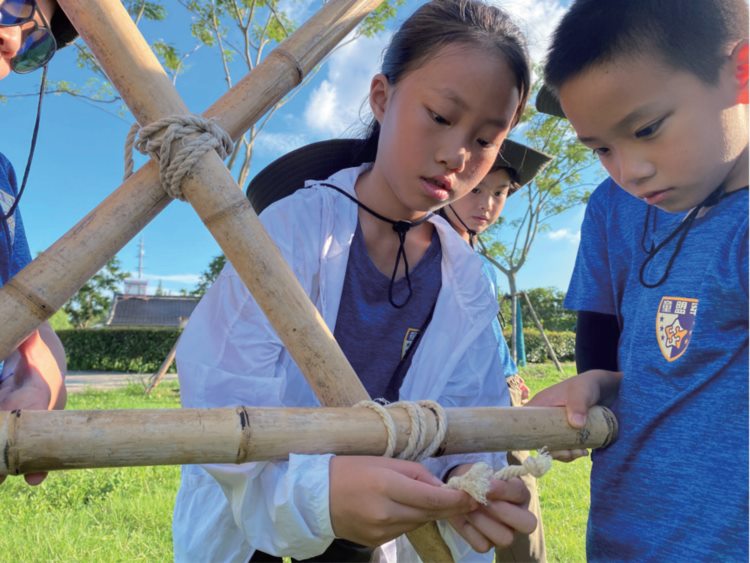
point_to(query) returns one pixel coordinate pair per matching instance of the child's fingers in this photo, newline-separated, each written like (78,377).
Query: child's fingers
(436,502)
(495,531)
(35,479)
(513,491)
(566,456)
(468,532)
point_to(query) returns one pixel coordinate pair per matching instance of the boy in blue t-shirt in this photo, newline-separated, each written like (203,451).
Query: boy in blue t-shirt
(659,90)
(32,376)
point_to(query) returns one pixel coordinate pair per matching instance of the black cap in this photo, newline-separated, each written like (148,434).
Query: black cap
(547,102)
(62,29)
(523,160)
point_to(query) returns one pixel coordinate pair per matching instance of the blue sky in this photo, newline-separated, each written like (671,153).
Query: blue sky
(78,161)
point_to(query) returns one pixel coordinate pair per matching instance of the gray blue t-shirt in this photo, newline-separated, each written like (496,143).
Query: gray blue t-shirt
(14,249)
(674,486)
(373,334)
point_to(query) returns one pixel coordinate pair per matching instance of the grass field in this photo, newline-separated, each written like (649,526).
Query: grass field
(125,514)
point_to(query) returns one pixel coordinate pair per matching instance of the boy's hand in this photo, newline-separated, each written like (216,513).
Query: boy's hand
(376,499)
(36,383)
(495,524)
(578,394)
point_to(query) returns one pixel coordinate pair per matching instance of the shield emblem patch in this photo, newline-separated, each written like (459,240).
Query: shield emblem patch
(674,325)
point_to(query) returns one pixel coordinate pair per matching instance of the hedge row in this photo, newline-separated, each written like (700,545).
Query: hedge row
(131,350)
(563,343)
(144,350)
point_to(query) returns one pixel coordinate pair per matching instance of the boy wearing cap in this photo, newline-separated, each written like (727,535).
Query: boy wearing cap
(470,216)
(32,376)
(662,100)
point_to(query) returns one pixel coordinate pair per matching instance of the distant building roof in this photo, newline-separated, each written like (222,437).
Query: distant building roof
(150,310)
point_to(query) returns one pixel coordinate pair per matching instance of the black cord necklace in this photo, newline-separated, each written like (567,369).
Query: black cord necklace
(682,230)
(472,234)
(400,228)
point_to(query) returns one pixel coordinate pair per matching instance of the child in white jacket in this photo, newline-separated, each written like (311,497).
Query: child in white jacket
(454,82)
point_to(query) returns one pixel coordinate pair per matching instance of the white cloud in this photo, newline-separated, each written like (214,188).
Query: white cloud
(277,144)
(573,237)
(537,19)
(334,106)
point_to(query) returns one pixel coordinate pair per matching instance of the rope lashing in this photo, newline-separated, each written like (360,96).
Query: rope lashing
(476,481)
(156,141)
(417,446)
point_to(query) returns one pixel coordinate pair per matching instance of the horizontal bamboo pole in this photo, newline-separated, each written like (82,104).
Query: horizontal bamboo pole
(44,286)
(33,441)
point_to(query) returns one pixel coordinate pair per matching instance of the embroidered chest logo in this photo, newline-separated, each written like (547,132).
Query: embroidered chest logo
(674,325)
(409,337)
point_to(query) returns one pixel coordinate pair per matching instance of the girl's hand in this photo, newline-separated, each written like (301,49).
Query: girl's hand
(578,394)
(376,499)
(495,524)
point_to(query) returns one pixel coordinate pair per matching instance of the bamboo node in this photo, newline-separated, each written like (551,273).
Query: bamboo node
(156,141)
(418,446)
(279,51)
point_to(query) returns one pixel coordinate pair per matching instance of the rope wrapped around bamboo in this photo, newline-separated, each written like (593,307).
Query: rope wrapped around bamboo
(33,441)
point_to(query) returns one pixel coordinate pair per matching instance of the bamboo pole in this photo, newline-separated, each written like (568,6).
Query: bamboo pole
(41,288)
(540,328)
(33,441)
(144,86)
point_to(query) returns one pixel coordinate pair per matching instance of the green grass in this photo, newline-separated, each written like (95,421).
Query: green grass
(126,514)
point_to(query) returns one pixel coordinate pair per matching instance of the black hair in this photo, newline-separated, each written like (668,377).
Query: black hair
(515,182)
(687,35)
(440,23)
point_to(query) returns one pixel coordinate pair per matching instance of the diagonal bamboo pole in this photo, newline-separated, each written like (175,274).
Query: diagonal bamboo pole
(33,441)
(141,81)
(41,288)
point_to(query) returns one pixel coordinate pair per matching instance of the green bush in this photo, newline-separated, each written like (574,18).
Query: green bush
(563,343)
(130,350)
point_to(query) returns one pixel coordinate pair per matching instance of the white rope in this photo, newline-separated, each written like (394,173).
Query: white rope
(149,140)
(417,446)
(477,480)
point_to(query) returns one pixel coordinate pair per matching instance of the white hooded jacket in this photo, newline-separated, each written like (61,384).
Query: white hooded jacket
(230,355)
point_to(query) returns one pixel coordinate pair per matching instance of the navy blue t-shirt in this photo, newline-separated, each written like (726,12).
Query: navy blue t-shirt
(14,252)
(674,486)
(372,333)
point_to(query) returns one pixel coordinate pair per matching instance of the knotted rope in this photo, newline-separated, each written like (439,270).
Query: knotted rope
(476,481)
(417,446)
(149,140)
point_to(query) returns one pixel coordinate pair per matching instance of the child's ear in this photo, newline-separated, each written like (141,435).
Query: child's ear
(379,92)
(739,59)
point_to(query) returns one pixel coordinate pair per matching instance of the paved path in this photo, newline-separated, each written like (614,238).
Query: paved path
(77,381)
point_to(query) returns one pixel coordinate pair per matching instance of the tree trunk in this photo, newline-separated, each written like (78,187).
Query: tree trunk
(513,314)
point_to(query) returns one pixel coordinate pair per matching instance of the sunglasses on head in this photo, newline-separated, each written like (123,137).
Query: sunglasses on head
(38,45)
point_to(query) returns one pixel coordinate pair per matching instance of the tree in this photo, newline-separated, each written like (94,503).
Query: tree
(548,305)
(558,188)
(209,276)
(93,301)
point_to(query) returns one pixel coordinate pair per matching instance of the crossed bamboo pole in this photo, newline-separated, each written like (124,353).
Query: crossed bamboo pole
(32,441)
